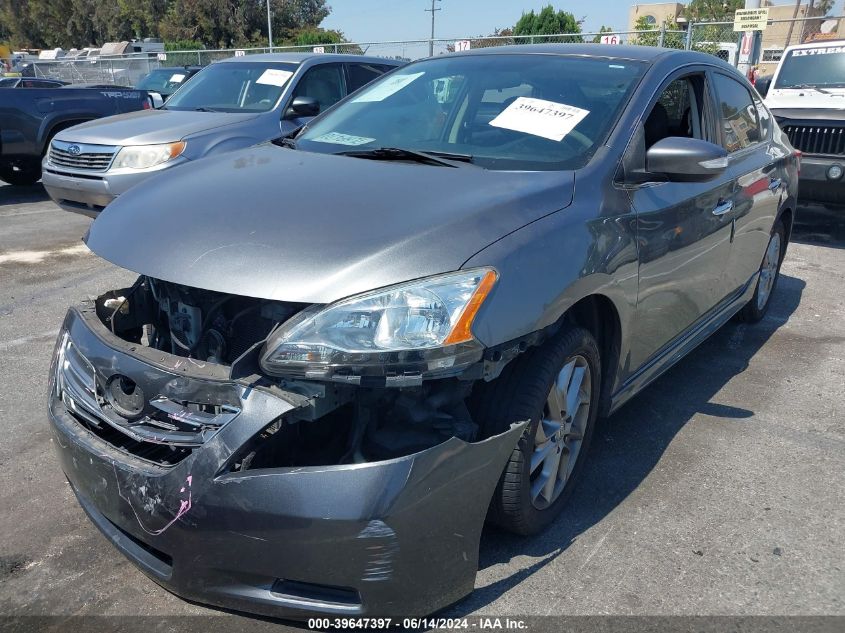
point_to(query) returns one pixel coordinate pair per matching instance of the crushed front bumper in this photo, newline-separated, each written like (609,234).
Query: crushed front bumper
(391,538)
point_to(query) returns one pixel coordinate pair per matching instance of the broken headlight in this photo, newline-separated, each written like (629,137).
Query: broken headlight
(420,328)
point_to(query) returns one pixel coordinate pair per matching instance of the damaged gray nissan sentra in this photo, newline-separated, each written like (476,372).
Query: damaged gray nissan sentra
(345,350)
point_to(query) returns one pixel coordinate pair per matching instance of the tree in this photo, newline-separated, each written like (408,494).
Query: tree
(603,29)
(673,36)
(712,10)
(213,23)
(547,22)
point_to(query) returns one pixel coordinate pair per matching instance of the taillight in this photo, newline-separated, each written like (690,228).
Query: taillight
(148,103)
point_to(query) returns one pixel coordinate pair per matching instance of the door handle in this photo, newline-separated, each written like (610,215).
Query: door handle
(723,207)
(774,184)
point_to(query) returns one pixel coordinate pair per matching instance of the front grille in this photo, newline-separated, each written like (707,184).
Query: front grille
(78,156)
(166,434)
(815,139)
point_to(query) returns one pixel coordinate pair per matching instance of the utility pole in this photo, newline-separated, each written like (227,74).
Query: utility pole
(269,27)
(431,41)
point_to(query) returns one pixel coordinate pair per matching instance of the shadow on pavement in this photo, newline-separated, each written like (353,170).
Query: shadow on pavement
(820,226)
(628,445)
(10,194)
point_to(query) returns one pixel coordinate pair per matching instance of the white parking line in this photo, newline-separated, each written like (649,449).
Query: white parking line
(23,340)
(35,257)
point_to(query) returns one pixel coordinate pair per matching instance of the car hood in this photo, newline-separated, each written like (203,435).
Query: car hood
(289,225)
(149,126)
(801,99)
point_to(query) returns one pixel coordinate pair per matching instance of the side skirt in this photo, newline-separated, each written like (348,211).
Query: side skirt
(683,345)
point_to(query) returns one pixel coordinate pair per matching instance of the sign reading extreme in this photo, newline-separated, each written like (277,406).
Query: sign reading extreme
(751,19)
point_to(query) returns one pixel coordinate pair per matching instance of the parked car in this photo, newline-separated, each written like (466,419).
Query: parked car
(30,118)
(343,349)
(230,105)
(30,82)
(165,81)
(807,97)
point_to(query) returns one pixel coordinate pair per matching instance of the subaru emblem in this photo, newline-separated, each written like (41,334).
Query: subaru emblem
(74,149)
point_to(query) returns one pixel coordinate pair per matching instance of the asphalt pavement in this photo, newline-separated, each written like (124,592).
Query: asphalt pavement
(717,491)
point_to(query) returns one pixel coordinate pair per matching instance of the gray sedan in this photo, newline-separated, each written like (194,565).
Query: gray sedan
(229,105)
(345,351)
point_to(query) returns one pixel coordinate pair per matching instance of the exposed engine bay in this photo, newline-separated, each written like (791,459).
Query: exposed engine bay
(345,424)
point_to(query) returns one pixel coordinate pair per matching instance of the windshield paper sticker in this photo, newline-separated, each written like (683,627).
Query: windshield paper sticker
(339,138)
(274,77)
(389,86)
(539,117)
(177,78)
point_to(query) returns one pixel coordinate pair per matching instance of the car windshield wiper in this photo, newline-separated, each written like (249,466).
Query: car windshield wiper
(398,153)
(204,109)
(811,87)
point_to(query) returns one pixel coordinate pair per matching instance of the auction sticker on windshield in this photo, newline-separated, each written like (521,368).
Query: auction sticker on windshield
(389,86)
(539,117)
(274,77)
(177,78)
(338,138)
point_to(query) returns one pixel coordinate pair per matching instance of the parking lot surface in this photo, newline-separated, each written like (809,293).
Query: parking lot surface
(716,491)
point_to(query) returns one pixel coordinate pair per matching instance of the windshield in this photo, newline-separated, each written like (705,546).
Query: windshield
(165,80)
(234,87)
(821,67)
(521,111)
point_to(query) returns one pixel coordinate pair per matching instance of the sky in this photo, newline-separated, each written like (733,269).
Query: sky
(380,20)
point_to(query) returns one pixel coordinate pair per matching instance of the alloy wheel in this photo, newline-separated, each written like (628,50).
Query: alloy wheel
(560,432)
(768,271)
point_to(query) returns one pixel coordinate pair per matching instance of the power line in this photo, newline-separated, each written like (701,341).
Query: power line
(431,41)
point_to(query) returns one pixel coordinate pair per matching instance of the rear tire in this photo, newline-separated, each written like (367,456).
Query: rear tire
(20,176)
(757,307)
(547,462)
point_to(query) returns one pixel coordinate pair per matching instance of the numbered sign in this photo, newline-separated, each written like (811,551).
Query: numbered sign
(240,53)
(462,45)
(610,39)
(319,49)
(162,57)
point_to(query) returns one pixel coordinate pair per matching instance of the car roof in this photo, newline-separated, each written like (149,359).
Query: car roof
(816,44)
(648,54)
(298,58)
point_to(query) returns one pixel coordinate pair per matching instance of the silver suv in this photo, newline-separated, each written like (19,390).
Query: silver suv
(229,105)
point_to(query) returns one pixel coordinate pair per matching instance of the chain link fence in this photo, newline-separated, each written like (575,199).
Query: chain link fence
(716,38)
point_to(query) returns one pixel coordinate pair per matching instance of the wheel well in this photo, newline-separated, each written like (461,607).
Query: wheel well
(598,315)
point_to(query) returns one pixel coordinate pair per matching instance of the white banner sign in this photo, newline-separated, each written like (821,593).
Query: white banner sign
(751,19)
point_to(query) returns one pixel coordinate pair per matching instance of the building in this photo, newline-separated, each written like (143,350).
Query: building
(781,31)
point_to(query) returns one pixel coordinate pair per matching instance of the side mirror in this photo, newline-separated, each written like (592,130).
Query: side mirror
(156,99)
(303,106)
(762,85)
(684,159)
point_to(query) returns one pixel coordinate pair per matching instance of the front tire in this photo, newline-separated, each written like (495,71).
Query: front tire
(556,388)
(757,307)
